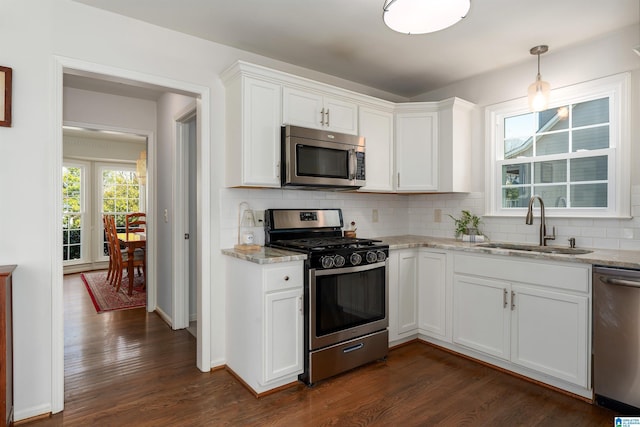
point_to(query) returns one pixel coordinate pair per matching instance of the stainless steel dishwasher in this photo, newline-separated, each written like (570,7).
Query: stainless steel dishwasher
(616,338)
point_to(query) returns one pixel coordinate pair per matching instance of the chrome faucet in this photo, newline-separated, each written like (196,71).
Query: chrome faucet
(543,227)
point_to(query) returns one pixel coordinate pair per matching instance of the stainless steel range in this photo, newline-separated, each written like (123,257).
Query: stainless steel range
(346,289)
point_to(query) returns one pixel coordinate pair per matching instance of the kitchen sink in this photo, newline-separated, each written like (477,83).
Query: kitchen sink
(535,248)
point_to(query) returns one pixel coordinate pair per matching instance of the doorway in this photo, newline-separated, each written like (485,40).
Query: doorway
(135,80)
(186,238)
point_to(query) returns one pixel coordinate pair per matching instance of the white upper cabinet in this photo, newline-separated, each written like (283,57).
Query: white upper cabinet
(433,146)
(416,150)
(419,147)
(319,111)
(454,145)
(376,126)
(253,107)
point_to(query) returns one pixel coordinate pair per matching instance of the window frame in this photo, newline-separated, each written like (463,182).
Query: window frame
(85,228)
(616,88)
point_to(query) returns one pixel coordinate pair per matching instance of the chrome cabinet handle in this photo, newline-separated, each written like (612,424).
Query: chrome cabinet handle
(327,114)
(322,117)
(513,300)
(504,298)
(300,304)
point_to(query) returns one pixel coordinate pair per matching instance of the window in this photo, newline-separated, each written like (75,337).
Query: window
(120,194)
(573,155)
(73,210)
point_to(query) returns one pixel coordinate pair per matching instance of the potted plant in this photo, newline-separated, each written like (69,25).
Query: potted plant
(467,224)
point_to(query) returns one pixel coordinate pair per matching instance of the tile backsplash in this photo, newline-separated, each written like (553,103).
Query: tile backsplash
(378,215)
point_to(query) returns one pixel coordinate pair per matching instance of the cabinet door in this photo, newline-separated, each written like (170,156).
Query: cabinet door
(481,315)
(407,292)
(283,345)
(432,294)
(301,108)
(377,128)
(550,333)
(261,133)
(417,151)
(341,116)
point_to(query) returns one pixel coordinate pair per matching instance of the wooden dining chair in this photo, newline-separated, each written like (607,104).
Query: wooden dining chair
(120,258)
(135,222)
(107,234)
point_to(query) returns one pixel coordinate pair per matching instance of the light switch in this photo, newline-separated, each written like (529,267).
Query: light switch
(374,215)
(166,215)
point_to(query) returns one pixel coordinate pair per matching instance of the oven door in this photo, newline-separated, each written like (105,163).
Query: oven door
(347,302)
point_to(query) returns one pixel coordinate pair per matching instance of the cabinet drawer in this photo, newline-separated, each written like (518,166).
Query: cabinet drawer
(287,277)
(551,274)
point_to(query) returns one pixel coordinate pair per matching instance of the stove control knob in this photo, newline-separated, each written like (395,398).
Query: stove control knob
(339,261)
(327,261)
(355,258)
(381,256)
(371,257)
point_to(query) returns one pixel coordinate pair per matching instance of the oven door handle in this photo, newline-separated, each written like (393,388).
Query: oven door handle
(351,269)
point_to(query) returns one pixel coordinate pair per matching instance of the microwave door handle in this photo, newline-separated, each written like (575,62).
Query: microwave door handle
(353,164)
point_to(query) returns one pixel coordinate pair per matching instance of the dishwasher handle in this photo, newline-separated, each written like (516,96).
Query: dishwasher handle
(620,282)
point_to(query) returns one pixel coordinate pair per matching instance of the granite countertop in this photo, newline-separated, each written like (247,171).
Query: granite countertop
(266,255)
(606,257)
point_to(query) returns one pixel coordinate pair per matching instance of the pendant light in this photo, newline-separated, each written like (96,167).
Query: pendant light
(423,16)
(539,90)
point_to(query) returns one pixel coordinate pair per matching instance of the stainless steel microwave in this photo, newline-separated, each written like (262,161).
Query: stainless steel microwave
(321,159)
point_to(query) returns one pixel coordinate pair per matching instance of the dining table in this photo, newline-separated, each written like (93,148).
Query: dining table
(132,241)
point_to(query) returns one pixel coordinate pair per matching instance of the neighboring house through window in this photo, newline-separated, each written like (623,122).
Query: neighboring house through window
(574,155)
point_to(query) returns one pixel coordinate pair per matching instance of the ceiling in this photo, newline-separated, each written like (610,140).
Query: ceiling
(348,39)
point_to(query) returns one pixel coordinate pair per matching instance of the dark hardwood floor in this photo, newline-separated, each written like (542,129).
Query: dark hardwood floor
(129,368)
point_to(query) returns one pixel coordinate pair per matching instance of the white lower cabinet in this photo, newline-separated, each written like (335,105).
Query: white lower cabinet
(403,294)
(433,301)
(549,333)
(418,289)
(265,322)
(480,317)
(542,325)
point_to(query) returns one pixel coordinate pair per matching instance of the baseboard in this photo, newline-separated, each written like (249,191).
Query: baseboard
(164,316)
(30,414)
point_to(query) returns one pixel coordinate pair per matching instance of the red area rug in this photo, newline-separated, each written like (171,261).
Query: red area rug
(104,296)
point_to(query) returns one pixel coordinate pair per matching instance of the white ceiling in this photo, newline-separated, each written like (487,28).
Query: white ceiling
(347,38)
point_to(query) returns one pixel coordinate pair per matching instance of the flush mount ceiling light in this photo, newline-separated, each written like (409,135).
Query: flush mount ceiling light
(423,16)
(539,90)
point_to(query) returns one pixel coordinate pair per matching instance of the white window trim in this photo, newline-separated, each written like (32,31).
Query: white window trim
(617,88)
(85,228)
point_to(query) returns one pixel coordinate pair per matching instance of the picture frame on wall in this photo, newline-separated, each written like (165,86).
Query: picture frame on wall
(5,100)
